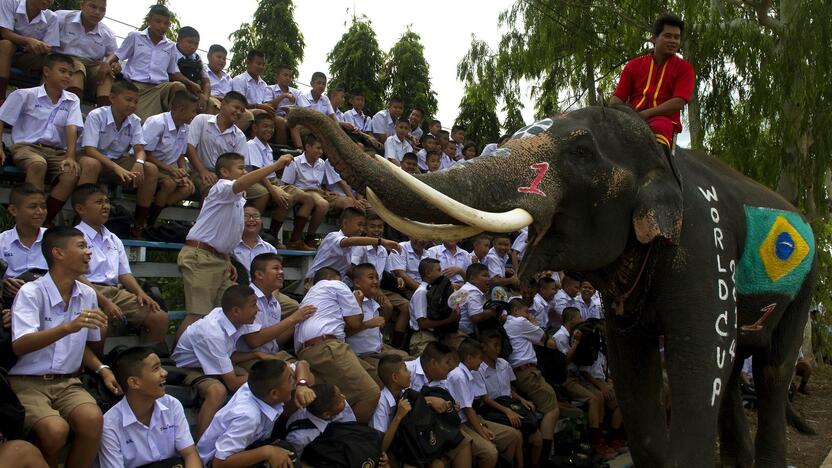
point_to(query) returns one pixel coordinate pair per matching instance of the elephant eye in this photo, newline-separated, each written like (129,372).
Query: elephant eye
(583,152)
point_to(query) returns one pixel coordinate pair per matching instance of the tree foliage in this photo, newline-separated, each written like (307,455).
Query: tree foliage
(66,5)
(174,22)
(356,62)
(477,113)
(407,75)
(272,30)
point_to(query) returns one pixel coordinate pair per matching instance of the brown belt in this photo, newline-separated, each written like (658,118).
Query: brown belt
(48,377)
(316,340)
(206,247)
(519,369)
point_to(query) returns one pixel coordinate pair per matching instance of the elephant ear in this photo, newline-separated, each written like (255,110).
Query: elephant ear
(658,209)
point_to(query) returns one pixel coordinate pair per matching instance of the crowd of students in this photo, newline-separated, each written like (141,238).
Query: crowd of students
(379,316)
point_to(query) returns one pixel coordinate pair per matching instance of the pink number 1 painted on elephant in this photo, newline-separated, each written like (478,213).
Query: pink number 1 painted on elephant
(542,168)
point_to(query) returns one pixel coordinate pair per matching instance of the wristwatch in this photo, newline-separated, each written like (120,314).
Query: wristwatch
(140,161)
(101,368)
(301,383)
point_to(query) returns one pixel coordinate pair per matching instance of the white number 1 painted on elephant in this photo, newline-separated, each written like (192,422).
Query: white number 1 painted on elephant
(542,168)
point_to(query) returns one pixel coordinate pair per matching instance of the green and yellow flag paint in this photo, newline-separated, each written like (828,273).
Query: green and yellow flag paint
(779,251)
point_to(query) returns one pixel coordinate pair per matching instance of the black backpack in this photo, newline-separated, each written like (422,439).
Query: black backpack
(450,419)
(12,412)
(172,231)
(530,418)
(119,221)
(344,445)
(591,342)
(192,68)
(422,437)
(438,309)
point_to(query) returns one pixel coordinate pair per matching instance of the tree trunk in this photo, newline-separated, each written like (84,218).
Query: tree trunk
(697,133)
(590,77)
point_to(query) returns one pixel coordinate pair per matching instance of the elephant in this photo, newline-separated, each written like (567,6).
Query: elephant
(689,255)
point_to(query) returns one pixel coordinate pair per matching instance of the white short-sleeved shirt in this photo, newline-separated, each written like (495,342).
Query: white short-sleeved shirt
(418,378)
(322,104)
(522,334)
(101,132)
(520,242)
(220,84)
(489,149)
(472,306)
(17,256)
(161,137)
(385,410)
(303,174)
(407,260)
(43,27)
(562,301)
(147,62)
(260,155)
(331,179)
(416,133)
(277,91)
(383,123)
(334,301)
(359,120)
(95,44)
(245,254)
(598,369)
(300,438)
(563,340)
(447,259)
(127,443)
(496,264)
(418,306)
(497,379)
(591,310)
(373,254)
(461,383)
(39,306)
(331,254)
(394,149)
(209,342)
(255,90)
(540,308)
(210,142)
(369,340)
(421,159)
(245,419)
(220,221)
(109,259)
(37,120)
(269,313)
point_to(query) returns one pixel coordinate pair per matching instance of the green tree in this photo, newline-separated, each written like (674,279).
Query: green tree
(174,21)
(272,30)
(477,113)
(66,5)
(407,75)
(514,118)
(356,62)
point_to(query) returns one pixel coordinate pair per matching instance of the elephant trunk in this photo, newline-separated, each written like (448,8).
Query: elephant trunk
(438,206)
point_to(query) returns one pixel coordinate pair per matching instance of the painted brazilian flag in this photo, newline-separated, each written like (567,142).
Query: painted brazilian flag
(779,250)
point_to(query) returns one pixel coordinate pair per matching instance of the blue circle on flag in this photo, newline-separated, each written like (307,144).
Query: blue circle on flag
(784,246)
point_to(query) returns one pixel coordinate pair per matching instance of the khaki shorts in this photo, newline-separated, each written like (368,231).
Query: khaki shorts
(282,355)
(577,388)
(419,341)
(201,187)
(195,377)
(155,99)
(505,440)
(317,194)
(333,362)
(134,314)
(288,306)
(86,67)
(41,398)
(530,382)
(370,360)
(259,190)
(396,299)
(205,278)
(25,154)
(107,175)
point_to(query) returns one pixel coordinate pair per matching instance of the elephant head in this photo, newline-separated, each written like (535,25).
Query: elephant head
(586,186)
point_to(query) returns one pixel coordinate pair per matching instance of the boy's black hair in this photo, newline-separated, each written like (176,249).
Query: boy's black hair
(83,192)
(318,76)
(235,96)
(360,270)
(394,99)
(54,58)
(216,48)
(444,132)
(226,160)
(457,128)
(481,237)
(667,19)
(409,156)
(425,265)
(433,155)
(325,398)
(309,140)
(501,235)
(235,296)
(419,110)
(186,32)
(351,212)
(470,144)
(182,98)
(545,281)
(160,10)
(265,375)
(129,363)
(373,216)
(516,304)
(255,53)
(387,366)
(426,137)
(435,351)
(261,116)
(57,237)
(403,120)
(474,269)
(324,274)
(334,90)
(570,276)
(569,313)
(23,190)
(123,86)
(505,137)
(282,67)
(356,92)
(434,121)
(259,262)
(469,347)
(491,334)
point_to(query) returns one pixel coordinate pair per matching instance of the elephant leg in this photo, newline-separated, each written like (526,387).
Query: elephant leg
(638,390)
(735,444)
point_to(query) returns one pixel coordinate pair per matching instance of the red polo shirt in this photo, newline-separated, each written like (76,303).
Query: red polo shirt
(645,84)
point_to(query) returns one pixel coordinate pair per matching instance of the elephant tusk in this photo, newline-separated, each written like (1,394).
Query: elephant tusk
(417,230)
(508,221)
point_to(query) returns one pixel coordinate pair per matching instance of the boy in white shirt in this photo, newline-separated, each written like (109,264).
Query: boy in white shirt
(405,265)
(415,119)
(454,260)
(29,32)
(45,124)
(356,116)
(481,247)
(384,122)
(306,174)
(589,307)
(471,311)
(429,145)
(541,308)
(398,144)
(190,65)
(320,340)
(284,95)
(166,142)
(496,260)
(146,426)
(219,78)
(330,405)
(20,246)
(54,318)
(568,296)
(89,42)
(315,99)
(422,326)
